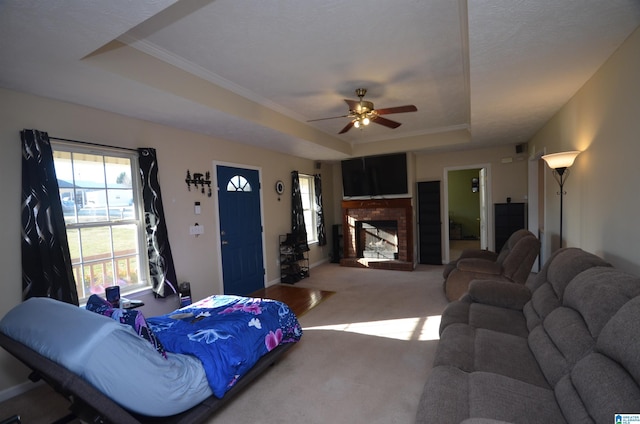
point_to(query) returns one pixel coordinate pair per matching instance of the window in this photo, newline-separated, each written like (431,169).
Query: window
(238,183)
(307,191)
(101,202)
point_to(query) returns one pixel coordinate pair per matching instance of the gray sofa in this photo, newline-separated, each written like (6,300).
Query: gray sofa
(564,348)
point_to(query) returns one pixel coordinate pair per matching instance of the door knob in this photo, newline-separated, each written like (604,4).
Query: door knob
(225,242)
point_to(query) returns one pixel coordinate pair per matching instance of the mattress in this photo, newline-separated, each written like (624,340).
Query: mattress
(110,356)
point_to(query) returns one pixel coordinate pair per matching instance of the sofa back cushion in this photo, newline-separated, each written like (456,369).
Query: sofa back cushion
(548,286)
(570,331)
(516,266)
(513,239)
(606,382)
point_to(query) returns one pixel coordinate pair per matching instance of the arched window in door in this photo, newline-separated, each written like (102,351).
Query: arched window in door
(238,183)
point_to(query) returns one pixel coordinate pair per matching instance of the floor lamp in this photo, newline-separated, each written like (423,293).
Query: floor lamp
(560,164)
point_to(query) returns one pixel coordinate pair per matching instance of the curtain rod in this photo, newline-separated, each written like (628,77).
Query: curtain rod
(93,144)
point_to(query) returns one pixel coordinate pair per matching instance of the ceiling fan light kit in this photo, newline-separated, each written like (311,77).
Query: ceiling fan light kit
(362,113)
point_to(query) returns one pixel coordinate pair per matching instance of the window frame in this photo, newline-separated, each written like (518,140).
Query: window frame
(311,211)
(138,220)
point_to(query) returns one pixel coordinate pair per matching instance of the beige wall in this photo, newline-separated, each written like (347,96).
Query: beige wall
(196,258)
(603,121)
(507,179)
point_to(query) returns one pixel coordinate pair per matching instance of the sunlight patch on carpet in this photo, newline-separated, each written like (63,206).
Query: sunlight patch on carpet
(418,328)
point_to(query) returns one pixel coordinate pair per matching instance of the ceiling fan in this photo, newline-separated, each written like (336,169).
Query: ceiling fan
(362,113)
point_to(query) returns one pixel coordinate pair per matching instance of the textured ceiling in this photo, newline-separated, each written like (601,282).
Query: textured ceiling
(481,72)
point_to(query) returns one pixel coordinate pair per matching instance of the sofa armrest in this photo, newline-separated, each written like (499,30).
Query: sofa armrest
(504,294)
(481,266)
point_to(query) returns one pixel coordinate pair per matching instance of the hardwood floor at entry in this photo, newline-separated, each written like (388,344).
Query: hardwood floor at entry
(301,300)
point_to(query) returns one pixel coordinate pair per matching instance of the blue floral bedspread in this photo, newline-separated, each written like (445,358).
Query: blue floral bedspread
(227,333)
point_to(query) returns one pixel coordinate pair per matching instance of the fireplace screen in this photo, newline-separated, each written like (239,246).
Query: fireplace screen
(377,239)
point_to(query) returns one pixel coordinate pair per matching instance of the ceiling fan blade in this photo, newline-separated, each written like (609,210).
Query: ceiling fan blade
(386,122)
(399,109)
(324,119)
(346,128)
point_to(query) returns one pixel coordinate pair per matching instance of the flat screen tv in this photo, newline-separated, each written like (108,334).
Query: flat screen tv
(375,175)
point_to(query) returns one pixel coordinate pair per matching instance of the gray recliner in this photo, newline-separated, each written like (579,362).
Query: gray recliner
(513,263)
(483,253)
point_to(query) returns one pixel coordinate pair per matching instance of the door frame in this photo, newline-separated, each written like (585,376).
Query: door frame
(488,218)
(536,200)
(216,217)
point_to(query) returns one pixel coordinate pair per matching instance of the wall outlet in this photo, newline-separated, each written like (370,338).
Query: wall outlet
(196,230)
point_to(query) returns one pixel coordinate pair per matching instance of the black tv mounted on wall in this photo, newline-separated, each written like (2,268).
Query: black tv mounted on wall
(375,175)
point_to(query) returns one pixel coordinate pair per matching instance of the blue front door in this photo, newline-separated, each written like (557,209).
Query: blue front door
(240,230)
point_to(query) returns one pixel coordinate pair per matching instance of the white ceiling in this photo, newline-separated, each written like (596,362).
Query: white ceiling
(481,72)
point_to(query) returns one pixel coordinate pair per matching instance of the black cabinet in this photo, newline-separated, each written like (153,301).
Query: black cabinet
(429,223)
(337,246)
(509,218)
(294,261)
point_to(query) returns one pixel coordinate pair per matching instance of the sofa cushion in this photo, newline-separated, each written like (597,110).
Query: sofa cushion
(476,349)
(549,285)
(479,315)
(469,253)
(452,395)
(599,293)
(560,343)
(499,293)
(606,381)
(570,331)
(619,338)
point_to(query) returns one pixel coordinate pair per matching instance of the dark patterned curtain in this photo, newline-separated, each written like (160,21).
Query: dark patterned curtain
(161,268)
(298,229)
(322,236)
(46,262)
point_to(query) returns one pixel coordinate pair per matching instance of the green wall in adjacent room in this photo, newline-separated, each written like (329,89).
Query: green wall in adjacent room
(464,204)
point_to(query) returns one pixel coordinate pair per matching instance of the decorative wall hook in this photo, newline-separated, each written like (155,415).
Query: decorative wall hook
(199,179)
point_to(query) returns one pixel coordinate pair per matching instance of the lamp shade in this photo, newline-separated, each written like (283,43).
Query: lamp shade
(561,160)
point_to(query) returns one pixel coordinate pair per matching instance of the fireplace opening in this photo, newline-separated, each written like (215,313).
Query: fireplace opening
(377,239)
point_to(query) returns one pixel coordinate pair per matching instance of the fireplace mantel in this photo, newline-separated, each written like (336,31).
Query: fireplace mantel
(399,210)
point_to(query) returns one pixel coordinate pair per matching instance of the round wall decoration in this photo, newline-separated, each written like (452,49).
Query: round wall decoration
(279,187)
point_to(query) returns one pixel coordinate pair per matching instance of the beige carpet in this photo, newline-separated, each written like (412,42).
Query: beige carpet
(364,356)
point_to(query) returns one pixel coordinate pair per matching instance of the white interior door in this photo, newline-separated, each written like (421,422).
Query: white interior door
(484,232)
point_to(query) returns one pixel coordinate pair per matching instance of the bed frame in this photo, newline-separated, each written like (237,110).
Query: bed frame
(89,404)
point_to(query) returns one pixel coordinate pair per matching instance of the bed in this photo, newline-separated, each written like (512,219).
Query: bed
(197,359)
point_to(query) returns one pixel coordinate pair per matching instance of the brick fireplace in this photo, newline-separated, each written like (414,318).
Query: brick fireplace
(357,212)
